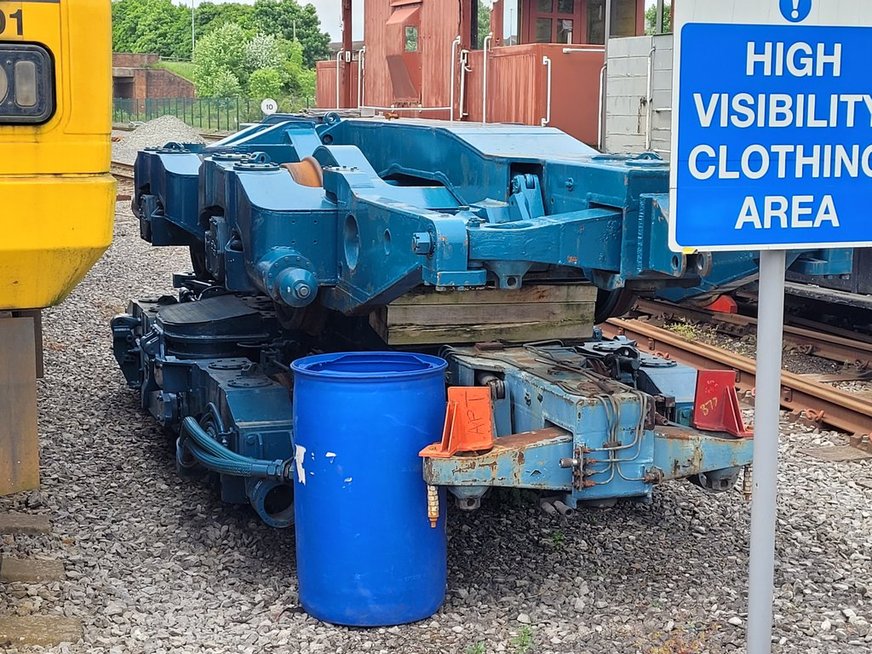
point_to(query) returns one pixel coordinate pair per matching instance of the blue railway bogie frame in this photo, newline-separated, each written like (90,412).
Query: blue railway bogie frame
(563,428)
(300,227)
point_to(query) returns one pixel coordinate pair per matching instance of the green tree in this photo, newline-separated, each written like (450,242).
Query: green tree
(484,21)
(265,83)
(219,59)
(298,78)
(210,16)
(651,19)
(286,18)
(153,26)
(264,51)
(223,84)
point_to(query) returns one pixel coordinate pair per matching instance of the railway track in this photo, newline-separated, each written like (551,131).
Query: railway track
(817,402)
(809,338)
(121,171)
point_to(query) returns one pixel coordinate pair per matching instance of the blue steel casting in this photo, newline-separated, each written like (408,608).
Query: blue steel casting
(301,227)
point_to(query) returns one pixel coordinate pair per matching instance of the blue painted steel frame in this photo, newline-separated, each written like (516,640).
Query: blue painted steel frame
(551,416)
(416,202)
(411,203)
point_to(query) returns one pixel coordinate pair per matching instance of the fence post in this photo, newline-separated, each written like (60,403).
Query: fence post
(237,115)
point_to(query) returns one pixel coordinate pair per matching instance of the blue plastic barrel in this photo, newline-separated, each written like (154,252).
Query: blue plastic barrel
(366,552)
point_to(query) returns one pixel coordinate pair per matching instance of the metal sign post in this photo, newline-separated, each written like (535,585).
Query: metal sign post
(767,413)
(771,151)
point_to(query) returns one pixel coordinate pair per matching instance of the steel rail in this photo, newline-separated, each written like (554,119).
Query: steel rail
(122,171)
(848,351)
(819,403)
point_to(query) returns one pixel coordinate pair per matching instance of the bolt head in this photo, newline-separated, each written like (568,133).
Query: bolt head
(303,291)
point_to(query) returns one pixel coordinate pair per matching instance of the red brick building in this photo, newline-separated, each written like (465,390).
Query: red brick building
(135,77)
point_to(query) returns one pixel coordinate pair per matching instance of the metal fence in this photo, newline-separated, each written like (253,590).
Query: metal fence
(203,113)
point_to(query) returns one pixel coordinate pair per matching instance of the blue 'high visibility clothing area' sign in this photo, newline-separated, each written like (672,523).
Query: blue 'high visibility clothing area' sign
(772,132)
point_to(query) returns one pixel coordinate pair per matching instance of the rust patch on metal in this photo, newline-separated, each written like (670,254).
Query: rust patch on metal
(528,438)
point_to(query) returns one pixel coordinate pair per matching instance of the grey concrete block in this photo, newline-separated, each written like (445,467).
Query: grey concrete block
(39,630)
(31,570)
(23,523)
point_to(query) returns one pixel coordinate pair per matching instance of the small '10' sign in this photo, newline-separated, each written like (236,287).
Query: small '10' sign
(269,106)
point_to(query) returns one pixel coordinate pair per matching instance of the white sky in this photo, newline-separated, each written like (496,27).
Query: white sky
(328,11)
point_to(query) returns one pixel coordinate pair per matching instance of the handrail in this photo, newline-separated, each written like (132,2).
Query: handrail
(451,69)
(600,136)
(485,46)
(547,62)
(338,58)
(464,69)
(361,61)
(649,99)
(395,108)
(582,48)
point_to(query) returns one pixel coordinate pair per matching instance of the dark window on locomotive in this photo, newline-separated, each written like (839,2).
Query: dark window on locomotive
(26,84)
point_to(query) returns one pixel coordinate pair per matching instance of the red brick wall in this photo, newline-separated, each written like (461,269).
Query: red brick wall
(150,82)
(133,59)
(164,84)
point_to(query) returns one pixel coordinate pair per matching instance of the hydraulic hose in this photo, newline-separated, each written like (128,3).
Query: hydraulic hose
(214,456)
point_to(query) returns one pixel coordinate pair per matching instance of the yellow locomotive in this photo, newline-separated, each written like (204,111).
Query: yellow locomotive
(57,196)
(56,193)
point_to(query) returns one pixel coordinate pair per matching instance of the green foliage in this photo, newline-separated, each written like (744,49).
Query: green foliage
(219,62)
(477,648)
(411,38)
(298,78)
(286,18)
(686,330)
(263,65)
(223,84)
(265,83)
(234,42)
(484,21)
(210,16)
(651,19)
(181,68)
(153,26)
(264,51)
(523,642)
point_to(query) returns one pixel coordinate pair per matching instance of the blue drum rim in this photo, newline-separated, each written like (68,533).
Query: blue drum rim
(306,366)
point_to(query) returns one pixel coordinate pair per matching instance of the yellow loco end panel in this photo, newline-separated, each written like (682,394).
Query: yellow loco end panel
(57,197)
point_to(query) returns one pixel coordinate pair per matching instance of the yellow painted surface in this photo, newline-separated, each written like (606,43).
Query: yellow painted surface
(56,197)
(68,226)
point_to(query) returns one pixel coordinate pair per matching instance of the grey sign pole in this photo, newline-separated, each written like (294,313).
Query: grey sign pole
(770,325)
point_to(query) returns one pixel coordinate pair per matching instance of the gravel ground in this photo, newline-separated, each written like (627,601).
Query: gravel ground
(154,133)
(157,564)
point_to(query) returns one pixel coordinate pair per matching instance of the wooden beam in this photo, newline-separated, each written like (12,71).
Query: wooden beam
(19,443)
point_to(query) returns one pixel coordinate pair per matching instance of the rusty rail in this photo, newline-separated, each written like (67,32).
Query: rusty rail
(121,171)
(819,403)
(843,350)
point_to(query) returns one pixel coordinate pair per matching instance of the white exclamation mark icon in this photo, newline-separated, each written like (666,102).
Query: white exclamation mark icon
(795,13)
